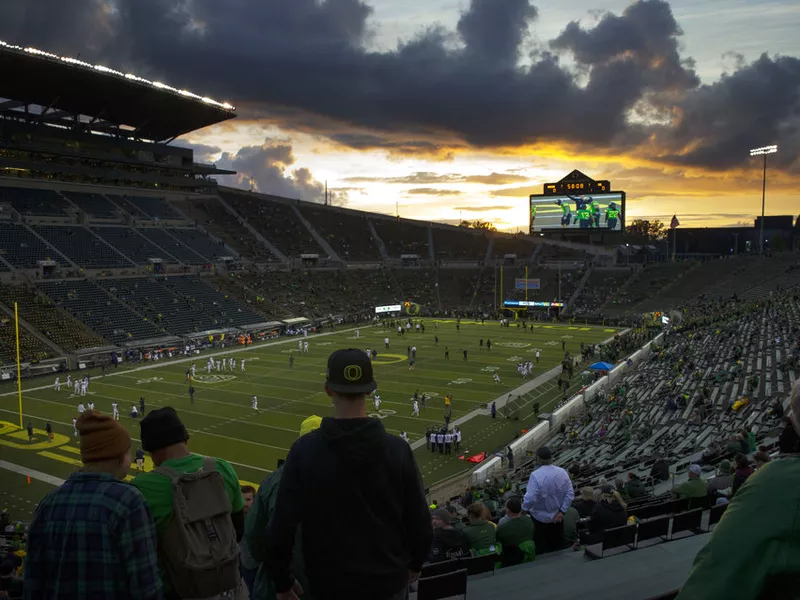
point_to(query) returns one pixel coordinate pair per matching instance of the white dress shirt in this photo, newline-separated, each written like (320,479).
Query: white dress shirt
(549,492)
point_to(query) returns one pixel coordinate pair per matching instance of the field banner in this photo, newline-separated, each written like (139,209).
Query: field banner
(527,284)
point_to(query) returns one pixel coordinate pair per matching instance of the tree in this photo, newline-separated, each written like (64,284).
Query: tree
(647,231)
(480,225)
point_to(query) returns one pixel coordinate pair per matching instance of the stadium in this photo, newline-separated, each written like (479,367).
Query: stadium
(125,266)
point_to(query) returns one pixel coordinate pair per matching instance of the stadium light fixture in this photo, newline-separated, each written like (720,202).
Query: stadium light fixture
(109,71)
(763,151)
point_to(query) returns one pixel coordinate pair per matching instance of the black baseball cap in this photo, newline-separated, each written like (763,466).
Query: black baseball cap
(350,372)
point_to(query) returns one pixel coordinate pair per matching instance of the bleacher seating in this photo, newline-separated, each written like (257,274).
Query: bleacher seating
(276,221)
(180,305)
(34,202)
(214,217)
(57,325)
(457,288)
(146,207)
(22,249)
(347,232)
(200,243)
(134,246)
(523,247)
(600,288)
(94,205)
(31,349)
(107,317)
(647,283)
(459,244)
(81,246)
(403,237)
(417,285)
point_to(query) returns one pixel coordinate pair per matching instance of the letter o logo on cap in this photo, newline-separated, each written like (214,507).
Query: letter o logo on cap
(352,373)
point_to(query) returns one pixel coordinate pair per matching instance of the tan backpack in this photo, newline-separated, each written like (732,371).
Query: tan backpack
(198,550)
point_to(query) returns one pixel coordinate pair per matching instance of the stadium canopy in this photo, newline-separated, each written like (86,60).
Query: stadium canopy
(601,366)
(68,87)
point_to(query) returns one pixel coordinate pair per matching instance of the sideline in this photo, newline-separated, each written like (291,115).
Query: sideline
(32,473)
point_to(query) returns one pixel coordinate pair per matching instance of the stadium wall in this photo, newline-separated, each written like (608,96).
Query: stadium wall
(536,437)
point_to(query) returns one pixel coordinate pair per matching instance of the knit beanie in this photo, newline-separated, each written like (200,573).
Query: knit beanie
(161,428)
(102,437)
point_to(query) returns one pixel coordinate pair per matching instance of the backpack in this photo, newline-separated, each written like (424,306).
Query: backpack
(198,550)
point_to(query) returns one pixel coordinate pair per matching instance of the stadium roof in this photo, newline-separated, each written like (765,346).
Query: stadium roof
(154,110)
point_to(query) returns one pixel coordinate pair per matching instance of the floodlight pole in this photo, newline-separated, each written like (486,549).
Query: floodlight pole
(763,207)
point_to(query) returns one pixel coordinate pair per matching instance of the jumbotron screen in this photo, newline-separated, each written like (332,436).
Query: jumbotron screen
(605,212)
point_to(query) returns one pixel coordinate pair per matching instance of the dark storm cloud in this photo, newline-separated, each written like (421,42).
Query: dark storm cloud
(305,61)
(202,152)
(269,168)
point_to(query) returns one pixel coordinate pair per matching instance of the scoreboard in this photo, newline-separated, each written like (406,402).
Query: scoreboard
(577,203)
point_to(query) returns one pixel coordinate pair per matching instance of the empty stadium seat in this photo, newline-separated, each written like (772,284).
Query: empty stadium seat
(94,205)
(450,585)
(146,207)
(34,202)
(403,237)
(134,246)
(22,249)
(346,231)
(81,246)
(620,539)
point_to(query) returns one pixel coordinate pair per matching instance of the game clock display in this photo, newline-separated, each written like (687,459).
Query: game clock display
(602,212)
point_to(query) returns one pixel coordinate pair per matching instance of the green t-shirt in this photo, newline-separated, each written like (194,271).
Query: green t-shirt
(157,489)
(515,531)
(481,535)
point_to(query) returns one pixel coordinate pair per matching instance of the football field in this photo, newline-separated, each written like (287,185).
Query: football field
(222,422)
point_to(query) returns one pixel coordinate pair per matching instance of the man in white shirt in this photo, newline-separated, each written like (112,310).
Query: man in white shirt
(547,498)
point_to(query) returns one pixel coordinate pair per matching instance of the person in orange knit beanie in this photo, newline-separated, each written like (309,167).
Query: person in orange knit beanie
(94,536)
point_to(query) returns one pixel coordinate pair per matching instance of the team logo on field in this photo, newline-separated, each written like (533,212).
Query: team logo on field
(149,380)
(518,345)
(431,394)
(322,343)
(213,378)
(515,359)
(566,337)
(383,413)
(460,381)
(551,343)
(490,369)
(73,395)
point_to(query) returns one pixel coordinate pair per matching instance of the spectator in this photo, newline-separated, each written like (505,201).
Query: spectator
(571,519)
(635,488)
(723,480)
(762,516)
(454,519)
(376,486)
(660,470)
(518,528)
(743,471)
(248,566)
(610,512)
(548,496)
(761,458)
(480,533)
(695,487)
(164,436)
(258,520)
(448,542)
(94,537)
(585,504)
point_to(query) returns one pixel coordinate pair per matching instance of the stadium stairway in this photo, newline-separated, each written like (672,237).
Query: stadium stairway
(578,290)
(255,233)
(315,234)
(378,241)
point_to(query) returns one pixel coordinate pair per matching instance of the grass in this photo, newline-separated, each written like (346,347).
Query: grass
(222,422)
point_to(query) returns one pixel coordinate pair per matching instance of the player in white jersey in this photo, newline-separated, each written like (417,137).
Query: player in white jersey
(115,411)
(75,427)
(57,384)
(305,346)
(77,387)
(233,363)
(404,436)
(194,369)
(386,342)
(415,410)
(369,352)
(377,400)
(134,412)
(90,405)
(69,381)
(209,365)
(358,333)
(496,377)
(241,365)
(219,365)
(81,408)
(254,402)
(300,345)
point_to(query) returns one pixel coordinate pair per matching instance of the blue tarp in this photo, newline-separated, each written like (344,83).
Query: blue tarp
(601,366)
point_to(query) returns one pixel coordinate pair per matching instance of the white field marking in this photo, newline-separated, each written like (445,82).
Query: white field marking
(238,464)
(190,359)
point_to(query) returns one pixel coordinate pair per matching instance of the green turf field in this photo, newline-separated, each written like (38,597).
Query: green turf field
(222,422)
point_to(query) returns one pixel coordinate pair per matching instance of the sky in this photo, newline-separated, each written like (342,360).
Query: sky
(446,110)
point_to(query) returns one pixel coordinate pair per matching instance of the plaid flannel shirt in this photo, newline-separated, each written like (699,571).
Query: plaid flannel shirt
(93,537)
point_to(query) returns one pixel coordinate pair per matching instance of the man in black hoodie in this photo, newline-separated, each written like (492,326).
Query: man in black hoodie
(356,491)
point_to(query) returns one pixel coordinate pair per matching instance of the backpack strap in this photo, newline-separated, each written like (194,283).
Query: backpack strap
(209,464)
(169,473)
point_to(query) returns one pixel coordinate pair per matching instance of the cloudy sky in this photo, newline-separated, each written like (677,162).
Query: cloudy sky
(461,108)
